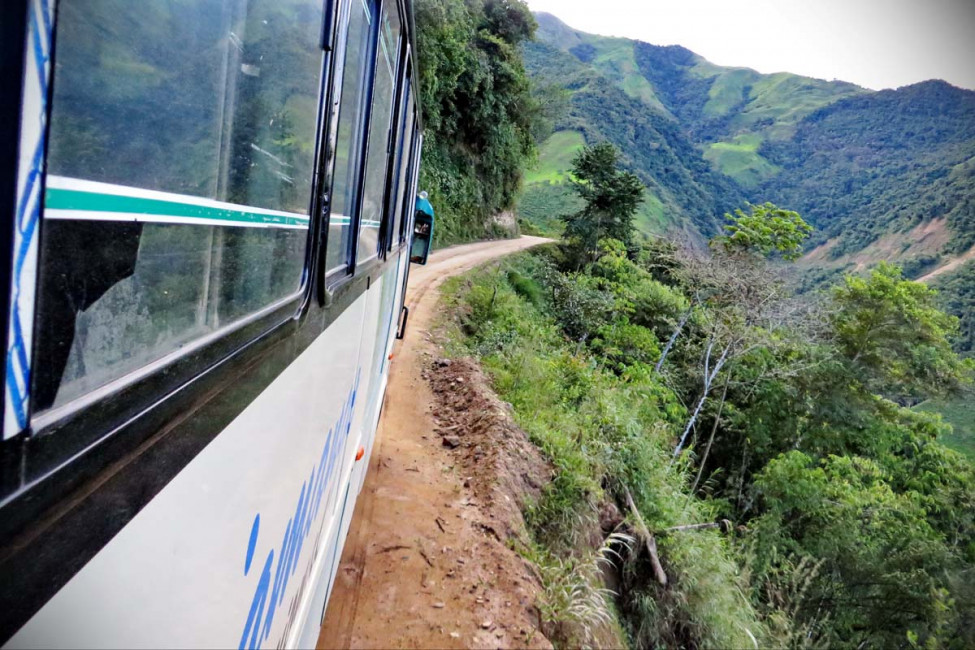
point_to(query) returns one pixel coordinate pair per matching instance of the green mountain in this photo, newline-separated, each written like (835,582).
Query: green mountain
(882,175)
(684,191)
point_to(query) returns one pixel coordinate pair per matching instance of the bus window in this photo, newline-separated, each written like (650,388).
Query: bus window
(379,133)
(403,163)
(348,144)
(413,179)
(180,167)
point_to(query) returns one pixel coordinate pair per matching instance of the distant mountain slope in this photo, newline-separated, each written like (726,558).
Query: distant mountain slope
(882,162)
(717,106)
(684,192)
(861,165)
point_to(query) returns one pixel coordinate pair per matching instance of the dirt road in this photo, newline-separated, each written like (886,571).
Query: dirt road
(418,570)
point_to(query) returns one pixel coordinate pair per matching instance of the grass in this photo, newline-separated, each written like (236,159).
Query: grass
(960,414)
(555,158)
(599,431)
(728,91)
(740,159)
(651,217)
(616,61)
(786,98)
(541,206)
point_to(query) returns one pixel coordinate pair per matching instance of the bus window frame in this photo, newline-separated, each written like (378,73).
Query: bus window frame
(379,255)
(339,277)
(409,204)
(398,157)
(13,57)
(60,435)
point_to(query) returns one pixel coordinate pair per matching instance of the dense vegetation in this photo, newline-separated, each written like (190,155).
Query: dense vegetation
(478,110)
(679,387)
(857,164)
(883,162)
(957,296)
(653,146)
(884,175)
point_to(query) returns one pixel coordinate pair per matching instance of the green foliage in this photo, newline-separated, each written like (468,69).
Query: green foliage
(611,199)
(857,526)
(856,164)
(555,157)
(894,337)
(478,110)
(654,146)
(541,205)
(881,558)
(602,430)
(956,295)
(765,230)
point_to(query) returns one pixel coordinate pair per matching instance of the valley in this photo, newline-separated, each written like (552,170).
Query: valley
(882,176)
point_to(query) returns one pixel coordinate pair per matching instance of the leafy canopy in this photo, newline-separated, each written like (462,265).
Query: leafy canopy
(478,110)
(766,230)
(894,336)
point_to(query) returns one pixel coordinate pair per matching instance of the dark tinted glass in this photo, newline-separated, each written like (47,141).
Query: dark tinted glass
(349,142)
(181,153)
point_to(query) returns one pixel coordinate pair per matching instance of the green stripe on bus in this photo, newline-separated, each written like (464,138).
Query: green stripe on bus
(61,199)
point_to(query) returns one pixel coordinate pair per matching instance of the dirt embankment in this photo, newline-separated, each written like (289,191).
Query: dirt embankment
(430,559)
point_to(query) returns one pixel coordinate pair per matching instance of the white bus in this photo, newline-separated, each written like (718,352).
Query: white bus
(209,206)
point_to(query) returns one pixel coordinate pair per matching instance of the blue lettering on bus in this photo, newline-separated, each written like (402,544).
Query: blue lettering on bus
(269,593)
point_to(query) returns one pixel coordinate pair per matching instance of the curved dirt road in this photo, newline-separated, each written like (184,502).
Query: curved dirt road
(417,571)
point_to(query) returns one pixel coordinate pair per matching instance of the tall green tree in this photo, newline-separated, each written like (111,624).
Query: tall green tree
(478,109)
(764,231)
(894,337)
(611,197)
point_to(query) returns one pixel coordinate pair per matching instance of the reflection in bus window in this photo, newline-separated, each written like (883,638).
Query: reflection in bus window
(181,157)
(348,145)
(379,133)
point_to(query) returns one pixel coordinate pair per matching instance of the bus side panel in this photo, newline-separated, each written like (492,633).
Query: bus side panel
(384,346)
(315,610)
(225,555)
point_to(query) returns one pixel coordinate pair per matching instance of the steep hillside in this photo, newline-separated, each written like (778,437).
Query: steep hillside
(886,175)
(729,112)
(477,110)
(881,162)
(684,192)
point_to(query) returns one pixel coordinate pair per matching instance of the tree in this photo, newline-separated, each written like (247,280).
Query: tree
(767,229)
(893,336)
(612,197)
(478,109)
(748,304)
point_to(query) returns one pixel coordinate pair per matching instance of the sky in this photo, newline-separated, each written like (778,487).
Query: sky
(874,43)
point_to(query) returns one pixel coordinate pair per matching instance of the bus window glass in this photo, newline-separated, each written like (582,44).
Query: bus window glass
(403,165)
(348,145)
(379,133)
(413,179)
(180,164)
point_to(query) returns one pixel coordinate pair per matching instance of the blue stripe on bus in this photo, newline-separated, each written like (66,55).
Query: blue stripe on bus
(268,594)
